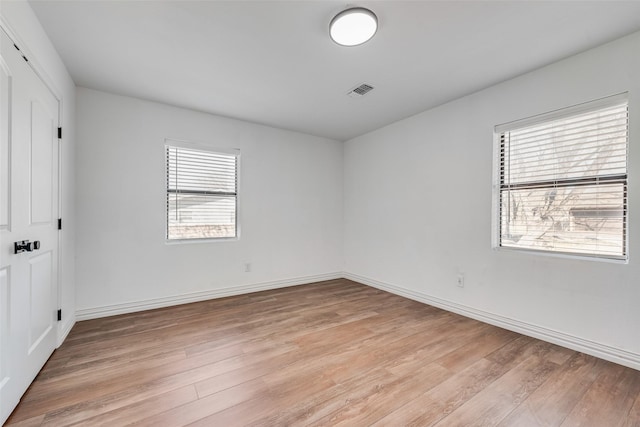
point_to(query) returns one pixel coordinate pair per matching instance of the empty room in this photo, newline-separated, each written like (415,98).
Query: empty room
(319,213)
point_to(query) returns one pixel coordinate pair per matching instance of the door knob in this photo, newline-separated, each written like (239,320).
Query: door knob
(25,246)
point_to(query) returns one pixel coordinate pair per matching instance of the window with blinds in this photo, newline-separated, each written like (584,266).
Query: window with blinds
(202,193)
(563,181)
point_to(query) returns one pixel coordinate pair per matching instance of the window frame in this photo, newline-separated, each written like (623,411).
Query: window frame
(498,186)
(169,142)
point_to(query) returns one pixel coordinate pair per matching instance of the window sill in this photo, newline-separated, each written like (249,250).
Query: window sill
(577,257)
(172,242)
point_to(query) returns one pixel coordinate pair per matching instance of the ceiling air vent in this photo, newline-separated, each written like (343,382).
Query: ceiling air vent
(361,90)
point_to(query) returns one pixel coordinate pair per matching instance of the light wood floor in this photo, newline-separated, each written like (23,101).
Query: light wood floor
(333,353)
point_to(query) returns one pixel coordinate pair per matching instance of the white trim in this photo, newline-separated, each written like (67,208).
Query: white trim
(32,60)
(63,330)
(609,101)
(130,307)
(200,145)
(566,255)
(602,351)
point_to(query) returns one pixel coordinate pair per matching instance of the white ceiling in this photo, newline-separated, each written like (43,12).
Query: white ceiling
(272,62)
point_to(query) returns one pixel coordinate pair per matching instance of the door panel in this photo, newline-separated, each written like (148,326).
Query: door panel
(42,145)
(40,319)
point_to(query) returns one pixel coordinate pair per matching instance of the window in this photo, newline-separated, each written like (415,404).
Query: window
(562,181)
(202,193)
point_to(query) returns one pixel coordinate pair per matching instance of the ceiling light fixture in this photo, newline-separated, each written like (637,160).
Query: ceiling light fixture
(354,26)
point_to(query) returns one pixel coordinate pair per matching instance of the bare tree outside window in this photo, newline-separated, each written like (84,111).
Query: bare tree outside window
(563,184)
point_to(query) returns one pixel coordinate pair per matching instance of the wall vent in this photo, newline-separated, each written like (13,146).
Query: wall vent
(360,90)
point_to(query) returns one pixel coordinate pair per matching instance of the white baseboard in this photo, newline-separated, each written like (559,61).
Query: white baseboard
(64,330)
(612,354)
(130,307)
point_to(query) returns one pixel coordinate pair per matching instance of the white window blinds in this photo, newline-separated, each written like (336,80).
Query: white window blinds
(201,193)
(563,182)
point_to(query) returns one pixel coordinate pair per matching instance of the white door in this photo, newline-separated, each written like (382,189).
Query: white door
(28,211)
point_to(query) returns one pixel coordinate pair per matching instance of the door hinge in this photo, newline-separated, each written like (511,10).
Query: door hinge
(59,133)
(59,314)
(59,223)
(18,49)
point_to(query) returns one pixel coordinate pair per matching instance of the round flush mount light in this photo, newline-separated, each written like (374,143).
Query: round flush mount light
(354,26)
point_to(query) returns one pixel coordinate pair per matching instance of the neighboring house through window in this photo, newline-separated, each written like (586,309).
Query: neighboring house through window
(561,182)
(202,192)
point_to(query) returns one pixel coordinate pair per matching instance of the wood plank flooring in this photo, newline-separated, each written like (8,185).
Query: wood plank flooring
(334,353)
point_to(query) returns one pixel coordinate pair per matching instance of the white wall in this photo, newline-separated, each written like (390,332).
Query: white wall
(431,173)
(23,26)
(418,203)
(290,207)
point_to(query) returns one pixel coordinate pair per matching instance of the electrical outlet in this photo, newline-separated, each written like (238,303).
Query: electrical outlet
(247,267)
(460,280)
